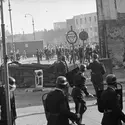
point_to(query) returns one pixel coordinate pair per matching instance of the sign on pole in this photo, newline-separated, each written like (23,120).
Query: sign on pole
(83,35)
(71,37)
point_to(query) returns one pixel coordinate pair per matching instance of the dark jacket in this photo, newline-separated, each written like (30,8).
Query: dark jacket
(111,105)
(78,97)
(61,68)
(3,105)
(58,108)
(70,76)
(97,71)
(79,79)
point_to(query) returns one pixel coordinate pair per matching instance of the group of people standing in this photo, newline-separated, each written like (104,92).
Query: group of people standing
(71,54)
(77,53)
(57,106)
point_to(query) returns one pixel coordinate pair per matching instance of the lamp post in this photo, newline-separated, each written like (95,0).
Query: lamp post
(11,26)
(32,24)
(5,78)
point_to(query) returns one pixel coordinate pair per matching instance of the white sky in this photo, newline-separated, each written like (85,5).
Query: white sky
(44,12)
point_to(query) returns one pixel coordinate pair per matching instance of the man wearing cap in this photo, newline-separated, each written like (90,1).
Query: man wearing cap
(57,106)
(112,112)
(97,72)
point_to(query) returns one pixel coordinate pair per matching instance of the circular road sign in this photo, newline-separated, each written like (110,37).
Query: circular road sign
(83,35)
(71,37)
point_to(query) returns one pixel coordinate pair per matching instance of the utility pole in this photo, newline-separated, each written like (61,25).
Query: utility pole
(33,28)
(5,68)
(32,24)
(11,26)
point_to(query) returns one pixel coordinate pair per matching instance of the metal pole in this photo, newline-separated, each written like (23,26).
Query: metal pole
(33,28)
(6,80)
(1,53)
(73,54)
(32,24)
(83,52)
(11,25)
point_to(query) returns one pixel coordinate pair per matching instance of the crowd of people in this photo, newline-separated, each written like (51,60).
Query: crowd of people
(50,52)
(70,53)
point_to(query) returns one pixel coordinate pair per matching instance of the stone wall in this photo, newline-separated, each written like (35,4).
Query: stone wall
(116,39)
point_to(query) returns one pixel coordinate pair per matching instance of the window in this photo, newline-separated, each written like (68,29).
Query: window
(90,19)
(95,29)
(86,29)
(76,21)
(80,20)
(95,18)
(26,45)
(85,20)
(90,28)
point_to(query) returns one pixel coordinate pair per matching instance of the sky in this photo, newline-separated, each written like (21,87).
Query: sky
(44,13)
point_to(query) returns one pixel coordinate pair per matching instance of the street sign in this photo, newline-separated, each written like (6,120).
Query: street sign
(83,35)
(71,36)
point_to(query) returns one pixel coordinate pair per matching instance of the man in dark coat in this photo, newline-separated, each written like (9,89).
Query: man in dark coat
(97,72)
(77,93)
(57,107)
(61,67)
(12,102)
(111,103)
(80,79)
(80,52)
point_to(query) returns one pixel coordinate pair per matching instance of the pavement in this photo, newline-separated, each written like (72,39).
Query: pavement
(34,115)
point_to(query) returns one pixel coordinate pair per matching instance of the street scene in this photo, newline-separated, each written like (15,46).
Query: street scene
(62,62)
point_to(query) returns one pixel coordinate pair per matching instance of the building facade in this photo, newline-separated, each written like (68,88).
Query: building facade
(59,25)
(89,23)
(69,23)
(29,47)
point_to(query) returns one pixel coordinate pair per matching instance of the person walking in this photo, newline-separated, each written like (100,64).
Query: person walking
(97,71)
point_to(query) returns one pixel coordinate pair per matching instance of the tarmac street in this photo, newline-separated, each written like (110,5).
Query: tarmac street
(35,115)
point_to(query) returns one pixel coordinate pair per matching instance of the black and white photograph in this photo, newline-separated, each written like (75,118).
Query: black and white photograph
(62,62)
